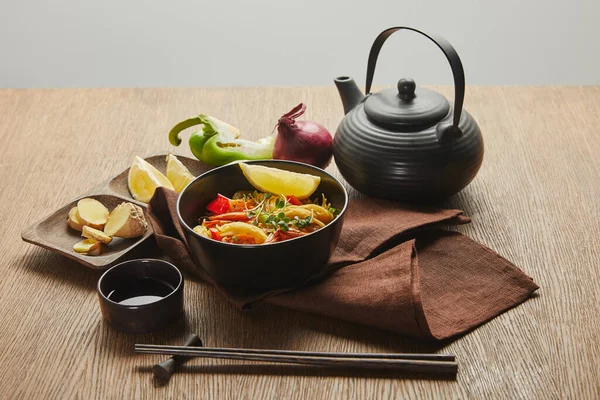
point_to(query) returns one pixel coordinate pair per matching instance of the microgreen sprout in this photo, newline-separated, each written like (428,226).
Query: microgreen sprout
(302,222)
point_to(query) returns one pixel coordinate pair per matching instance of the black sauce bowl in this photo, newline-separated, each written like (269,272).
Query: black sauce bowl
(277,265)
(147,317)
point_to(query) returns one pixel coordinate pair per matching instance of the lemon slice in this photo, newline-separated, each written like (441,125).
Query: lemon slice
(279,181)
(177,173)
(143,180)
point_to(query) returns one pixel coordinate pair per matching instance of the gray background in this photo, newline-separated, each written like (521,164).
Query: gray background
(133,43)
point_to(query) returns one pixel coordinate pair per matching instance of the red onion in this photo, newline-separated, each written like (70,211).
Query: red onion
(303,141)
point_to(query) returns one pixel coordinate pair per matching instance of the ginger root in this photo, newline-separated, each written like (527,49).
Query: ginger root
(92,213)
(92,233)
(90,247)
(73,220)
(126,221)
(91,217)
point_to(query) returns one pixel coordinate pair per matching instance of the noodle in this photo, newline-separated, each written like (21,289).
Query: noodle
(257,218)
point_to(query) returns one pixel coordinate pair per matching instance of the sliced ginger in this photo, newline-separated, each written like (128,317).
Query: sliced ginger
(90,247)
(90,217)
(92,233)
(73,220)
(92,213)
(126,221)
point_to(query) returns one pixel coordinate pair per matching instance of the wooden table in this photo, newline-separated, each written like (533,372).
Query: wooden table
(536,201)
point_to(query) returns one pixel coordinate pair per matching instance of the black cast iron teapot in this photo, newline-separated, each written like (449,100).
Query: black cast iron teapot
(407,143)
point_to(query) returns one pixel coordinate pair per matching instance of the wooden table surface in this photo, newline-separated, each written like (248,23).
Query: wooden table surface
(536,201)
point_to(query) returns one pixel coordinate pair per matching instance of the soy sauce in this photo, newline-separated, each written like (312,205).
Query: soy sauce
(140,291)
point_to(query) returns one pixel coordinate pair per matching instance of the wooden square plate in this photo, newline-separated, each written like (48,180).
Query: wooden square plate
(52,232)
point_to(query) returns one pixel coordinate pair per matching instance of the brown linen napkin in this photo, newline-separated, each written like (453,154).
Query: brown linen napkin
(391,269)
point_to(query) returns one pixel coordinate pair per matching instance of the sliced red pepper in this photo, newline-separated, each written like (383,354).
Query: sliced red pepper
(220,205)
(214,233)
(293,200)
(210,224)
(232,216)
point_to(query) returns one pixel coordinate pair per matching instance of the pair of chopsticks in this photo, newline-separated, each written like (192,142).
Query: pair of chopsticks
(406,362)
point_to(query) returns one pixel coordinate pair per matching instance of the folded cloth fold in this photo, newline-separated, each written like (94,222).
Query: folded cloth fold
(393,269)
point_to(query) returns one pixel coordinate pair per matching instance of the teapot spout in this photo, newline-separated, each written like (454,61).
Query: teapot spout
(349,92)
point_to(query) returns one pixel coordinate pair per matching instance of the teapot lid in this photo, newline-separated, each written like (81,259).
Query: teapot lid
(406,106)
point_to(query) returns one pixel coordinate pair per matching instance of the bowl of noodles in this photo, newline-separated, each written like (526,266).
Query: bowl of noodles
(255,237)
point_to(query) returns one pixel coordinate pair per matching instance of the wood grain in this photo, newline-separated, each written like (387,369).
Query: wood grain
(535,201)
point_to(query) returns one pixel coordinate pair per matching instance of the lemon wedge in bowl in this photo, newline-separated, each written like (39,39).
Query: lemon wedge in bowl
(177,173)
(279,181)
(143,180)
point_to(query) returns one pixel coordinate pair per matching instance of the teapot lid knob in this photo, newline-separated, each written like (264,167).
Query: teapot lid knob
(406,88)
(406,107)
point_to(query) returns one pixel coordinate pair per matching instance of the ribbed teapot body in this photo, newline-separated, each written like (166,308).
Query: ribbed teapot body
(406,165)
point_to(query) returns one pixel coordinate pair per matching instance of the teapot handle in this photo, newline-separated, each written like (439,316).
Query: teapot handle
(443,131)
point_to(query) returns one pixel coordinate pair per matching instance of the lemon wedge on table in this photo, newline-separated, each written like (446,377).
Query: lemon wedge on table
(143,180)
(279,181)
(177,173)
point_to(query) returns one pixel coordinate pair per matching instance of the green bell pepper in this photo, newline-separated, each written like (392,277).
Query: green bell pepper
(218,142)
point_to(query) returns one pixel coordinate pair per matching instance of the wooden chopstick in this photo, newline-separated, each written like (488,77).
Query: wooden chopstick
(393,356)
(429,363)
